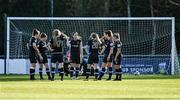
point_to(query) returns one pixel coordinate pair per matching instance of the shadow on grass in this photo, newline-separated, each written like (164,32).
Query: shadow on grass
(13,77)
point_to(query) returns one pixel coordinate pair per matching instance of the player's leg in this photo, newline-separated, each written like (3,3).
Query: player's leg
(71,71)
(32,71)
(47,71)
(77,66)
(41,71)
(103,68)
(66,69)
(96,71)
(33,60)
(53,67)
(41,68)
(109,64)
(118,69)
(90,62)
(60,67)
(77,70)
(61,71)
(88,71)
(101,74)
(45,63)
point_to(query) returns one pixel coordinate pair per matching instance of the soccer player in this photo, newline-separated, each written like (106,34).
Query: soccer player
(76,54)
(117,56)
(66,66)
(108,51)
(56,47)
(93,60)
(34,53)
(42,46)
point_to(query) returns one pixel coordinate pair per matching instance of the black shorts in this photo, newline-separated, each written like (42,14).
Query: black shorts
(45,59)
(93,58)
(33,57)
(57,58)
(105,58)
(75,59)
(118,60)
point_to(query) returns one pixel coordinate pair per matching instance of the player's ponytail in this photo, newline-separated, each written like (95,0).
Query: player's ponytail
(109,34)
(35,32)
(55,34)
(117,36)
(43,35)
(92,36)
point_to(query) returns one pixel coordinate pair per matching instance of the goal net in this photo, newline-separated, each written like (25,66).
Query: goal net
(148,42)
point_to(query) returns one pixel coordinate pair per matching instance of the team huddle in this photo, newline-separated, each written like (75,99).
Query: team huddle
(109,45)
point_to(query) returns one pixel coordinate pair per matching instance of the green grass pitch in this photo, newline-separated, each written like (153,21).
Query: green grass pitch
(143,87)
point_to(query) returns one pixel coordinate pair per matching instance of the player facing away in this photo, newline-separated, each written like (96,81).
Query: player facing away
(56,47)
(34,53)
(108,51)
(117,56)
(42,46)
(76,54)
(93,52)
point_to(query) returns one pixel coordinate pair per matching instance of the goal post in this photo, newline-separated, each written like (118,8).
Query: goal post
(142,49)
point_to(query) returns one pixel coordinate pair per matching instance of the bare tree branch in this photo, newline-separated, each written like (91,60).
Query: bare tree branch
(174,3)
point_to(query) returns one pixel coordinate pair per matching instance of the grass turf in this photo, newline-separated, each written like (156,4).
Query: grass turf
(132,87)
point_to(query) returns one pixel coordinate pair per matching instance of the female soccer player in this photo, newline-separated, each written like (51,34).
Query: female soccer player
(56,46)
(76,54)
(108,51)
(42,46)
(93,60)
(34,53)
(117,56)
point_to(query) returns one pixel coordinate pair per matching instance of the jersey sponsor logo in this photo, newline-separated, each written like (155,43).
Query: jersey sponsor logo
(111,44)
(118,45)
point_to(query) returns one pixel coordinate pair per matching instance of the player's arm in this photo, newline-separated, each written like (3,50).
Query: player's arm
(98,39)
(65,36)
(37,50)
(49,46)
(111,50)
(68,43)
(81,47)
(103,49)
(117,53)
(86,48)
(27,45)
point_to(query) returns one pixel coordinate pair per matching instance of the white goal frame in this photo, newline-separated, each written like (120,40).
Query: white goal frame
(90,18)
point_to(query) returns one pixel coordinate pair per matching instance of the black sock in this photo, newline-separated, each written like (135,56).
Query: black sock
(48,73)
(71,71)
(32,72)
(87,73)
(102,73)
(53,73)
(61,73)
(117,73)
(40,73)
(96,73)
(120,73)
(77,71)
(110,72)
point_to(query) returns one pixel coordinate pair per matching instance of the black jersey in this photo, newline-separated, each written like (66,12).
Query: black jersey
(108,45)
(58,44)
(75,47)
(117,45)
(93,46)
(31,42)
(42,47)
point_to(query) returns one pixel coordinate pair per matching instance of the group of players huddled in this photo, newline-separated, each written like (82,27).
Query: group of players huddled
(109,45)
